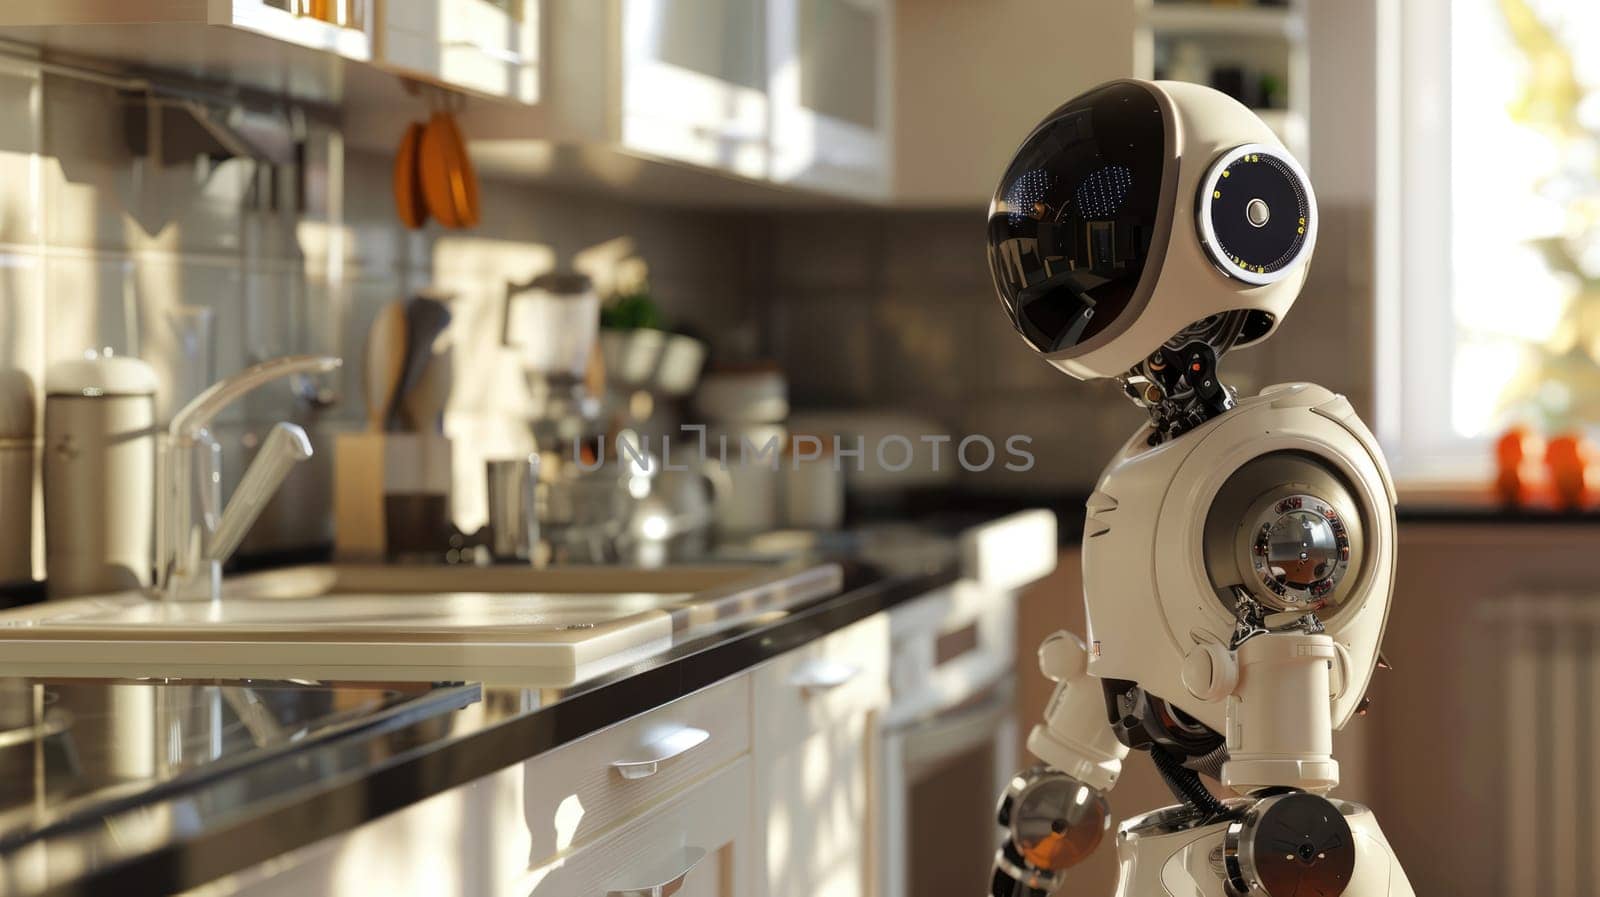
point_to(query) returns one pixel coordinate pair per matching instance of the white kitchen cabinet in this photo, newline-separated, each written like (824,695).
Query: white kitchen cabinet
(815,797)
(487,46)
(815,753)
(695,845)
(832,94)
(346,37)
(635,804)
(682,80)
(621,772)
(763,784)
(694,82)
(793,92)
(705,102)
(490,47)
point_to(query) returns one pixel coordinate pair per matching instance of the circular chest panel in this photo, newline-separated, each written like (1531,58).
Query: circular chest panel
(1301,550)
(1257,215)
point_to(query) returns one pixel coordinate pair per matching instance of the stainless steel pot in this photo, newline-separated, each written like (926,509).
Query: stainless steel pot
(99,475)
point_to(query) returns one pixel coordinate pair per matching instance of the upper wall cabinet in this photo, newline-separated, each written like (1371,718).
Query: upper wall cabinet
(487,46)
(831,82)
(490,47)
(693,77)
(339,27)
(789,91)
(683,80)
(334,53)
(680,101)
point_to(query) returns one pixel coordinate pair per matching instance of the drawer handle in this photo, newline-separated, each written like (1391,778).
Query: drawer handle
(669,873)
(498,54)
(823,675)
(732,135)
(678,743)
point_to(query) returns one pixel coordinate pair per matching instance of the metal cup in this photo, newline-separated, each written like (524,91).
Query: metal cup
(513,517)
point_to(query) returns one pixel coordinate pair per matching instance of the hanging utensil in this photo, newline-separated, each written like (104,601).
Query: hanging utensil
(434,171)
(422,410)
(425,319)
(386,358)
(450,184)
(408,195)
(463,177)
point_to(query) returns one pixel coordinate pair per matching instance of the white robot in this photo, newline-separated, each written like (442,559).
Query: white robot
(1238,555)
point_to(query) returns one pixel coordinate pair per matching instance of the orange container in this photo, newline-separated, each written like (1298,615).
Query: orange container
(1517,456)
(1570,459)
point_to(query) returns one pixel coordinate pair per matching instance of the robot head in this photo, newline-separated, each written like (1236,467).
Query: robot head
(1143,210)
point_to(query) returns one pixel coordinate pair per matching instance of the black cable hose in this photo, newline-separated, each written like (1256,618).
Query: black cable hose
(1003,885)
(1185,784)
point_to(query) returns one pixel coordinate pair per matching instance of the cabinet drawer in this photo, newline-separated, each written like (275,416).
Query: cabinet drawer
(831,679)
(696,843)
(579,790)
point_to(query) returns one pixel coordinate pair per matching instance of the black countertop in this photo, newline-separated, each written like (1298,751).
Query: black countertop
(190,824)
(1495,516)
(1068,506)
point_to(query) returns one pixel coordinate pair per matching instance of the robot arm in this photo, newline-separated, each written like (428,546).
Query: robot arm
(1055,814)
(1076,737)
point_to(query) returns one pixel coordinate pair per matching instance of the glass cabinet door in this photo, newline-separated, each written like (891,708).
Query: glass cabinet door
(830,81)
(838,56)
(695,82)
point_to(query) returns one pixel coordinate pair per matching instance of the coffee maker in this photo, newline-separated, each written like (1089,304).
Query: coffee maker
(582,499)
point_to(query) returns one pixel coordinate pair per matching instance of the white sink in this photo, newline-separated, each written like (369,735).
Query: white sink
(543,628)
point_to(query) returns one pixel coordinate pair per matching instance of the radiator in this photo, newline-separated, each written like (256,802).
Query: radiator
(1548,658)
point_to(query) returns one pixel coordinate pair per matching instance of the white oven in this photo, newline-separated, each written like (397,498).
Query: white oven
(949,739)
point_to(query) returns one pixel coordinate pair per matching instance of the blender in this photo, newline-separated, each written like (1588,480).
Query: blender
(582,499)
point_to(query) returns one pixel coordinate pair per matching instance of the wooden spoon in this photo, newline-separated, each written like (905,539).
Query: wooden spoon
(408,197)
(386,358)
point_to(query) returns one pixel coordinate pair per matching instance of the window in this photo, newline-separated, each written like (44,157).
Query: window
(1495,317)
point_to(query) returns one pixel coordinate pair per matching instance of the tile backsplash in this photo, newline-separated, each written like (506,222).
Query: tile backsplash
(99,248)
(895,309)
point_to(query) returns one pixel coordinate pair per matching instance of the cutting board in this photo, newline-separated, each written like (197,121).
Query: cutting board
(534,639)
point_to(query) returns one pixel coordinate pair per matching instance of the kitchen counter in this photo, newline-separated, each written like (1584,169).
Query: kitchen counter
(1068,506)
(322,758)
(1494,515)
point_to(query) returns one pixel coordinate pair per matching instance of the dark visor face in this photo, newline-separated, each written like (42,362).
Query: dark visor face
(1071,224)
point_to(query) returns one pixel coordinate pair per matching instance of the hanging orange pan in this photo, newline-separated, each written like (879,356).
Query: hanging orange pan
(408,196)
(449,183)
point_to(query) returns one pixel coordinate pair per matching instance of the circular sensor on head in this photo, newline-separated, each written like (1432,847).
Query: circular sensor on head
(1257,215)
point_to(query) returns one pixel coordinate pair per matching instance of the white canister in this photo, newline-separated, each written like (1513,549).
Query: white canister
(749,460)
(813,490)
(99,475)
(753,394)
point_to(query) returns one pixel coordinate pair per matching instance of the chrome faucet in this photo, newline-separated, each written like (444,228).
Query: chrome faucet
(191,546)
